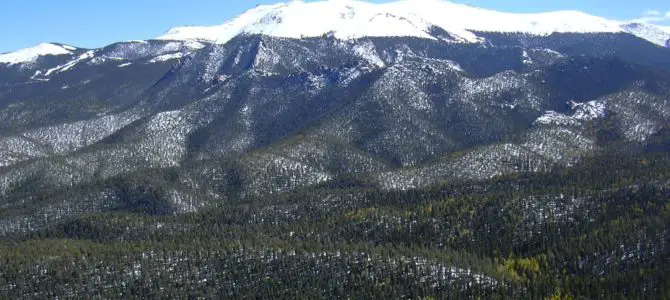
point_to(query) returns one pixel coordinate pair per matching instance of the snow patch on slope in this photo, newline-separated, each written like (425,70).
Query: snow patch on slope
(43,75)
(70,64)
(552,117)
(141,50)
(368,52)
(30,55)
(166,57)
(587,111)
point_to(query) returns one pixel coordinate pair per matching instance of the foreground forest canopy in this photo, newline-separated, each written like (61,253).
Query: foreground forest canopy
(596,231)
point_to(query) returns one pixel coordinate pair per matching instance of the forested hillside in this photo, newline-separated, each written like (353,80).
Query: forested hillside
(596,231)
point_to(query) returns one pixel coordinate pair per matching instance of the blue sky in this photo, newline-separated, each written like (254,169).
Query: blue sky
(87,23)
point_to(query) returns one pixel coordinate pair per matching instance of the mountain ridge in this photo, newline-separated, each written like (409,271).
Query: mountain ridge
(459,20)
(350,19)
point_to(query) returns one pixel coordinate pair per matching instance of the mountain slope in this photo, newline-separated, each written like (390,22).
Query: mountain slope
(410,112)
(656,34)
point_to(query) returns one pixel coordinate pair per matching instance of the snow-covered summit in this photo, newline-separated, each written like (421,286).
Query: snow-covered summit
(31,54)
(347,19)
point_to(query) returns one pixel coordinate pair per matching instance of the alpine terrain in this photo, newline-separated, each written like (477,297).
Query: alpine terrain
(342,149)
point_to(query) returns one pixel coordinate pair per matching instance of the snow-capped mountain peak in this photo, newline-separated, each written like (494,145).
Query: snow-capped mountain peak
(346,19)
(31,54)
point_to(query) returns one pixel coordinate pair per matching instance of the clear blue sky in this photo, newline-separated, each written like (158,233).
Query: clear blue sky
(93,23)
